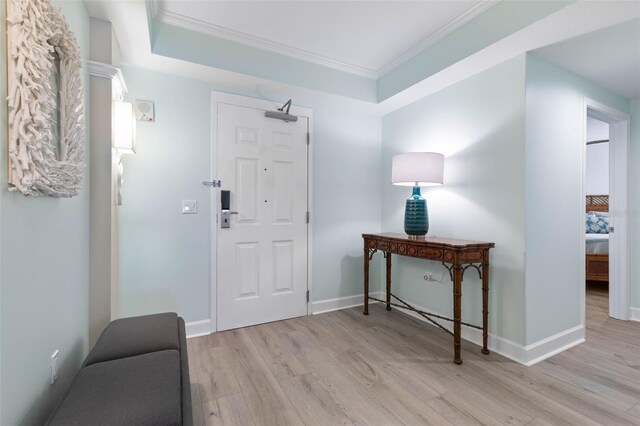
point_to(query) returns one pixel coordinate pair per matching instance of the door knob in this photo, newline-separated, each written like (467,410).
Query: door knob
(226,218)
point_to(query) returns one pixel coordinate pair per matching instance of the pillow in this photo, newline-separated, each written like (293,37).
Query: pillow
(596,224)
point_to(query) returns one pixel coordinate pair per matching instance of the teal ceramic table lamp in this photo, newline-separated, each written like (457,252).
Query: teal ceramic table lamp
(417,169)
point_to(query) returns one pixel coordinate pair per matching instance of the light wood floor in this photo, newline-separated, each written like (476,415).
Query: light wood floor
(387,369)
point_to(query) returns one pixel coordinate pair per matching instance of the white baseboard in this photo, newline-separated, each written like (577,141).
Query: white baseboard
(328,305)
(526,355)
(634,314)
(198,328)
(203,328)
(497,344)
(552,345)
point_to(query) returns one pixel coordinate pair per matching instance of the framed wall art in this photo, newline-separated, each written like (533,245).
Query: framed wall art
(46,146)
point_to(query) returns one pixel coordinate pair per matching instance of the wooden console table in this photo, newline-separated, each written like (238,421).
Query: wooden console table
(456,255)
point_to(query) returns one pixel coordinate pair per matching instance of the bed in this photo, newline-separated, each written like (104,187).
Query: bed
(597,245)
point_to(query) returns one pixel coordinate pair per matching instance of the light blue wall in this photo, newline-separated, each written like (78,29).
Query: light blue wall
(216,52)
(45,279)
(3,160)
(554,204)
(346,199)
(500,21)
(164,254)
(479,125)
(634,204)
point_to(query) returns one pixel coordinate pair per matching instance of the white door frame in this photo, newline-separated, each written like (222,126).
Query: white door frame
(619,133)
(249,102)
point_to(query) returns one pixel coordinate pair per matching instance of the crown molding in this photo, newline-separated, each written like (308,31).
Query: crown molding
(189,23)
(197,25)
(102,70)
(457,23)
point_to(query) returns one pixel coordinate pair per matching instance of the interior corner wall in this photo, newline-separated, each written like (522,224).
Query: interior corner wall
(44,252)
(555,119)
(478,124)
(634,207)
(103,218)
(165,255)
(101,214)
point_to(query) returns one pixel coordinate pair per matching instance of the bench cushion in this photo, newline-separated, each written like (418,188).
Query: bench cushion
(136,336)
(140,390)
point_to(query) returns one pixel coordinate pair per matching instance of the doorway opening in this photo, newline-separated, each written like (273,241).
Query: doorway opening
(597,217)
(606,280)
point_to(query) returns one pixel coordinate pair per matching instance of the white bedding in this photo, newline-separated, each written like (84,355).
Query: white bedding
(597,243)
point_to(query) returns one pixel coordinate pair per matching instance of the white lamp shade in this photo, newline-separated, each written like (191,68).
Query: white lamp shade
(417,168)
(124,128)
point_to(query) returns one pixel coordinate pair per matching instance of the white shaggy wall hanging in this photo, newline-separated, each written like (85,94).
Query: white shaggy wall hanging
(46,122)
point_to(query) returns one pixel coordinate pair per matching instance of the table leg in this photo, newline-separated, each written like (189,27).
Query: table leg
(388,257)
(485,302)
(366,280)
(457,311)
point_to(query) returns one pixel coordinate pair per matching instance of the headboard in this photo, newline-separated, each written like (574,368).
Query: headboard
(597,203)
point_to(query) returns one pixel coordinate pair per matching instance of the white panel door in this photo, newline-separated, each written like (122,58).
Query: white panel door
(262,256)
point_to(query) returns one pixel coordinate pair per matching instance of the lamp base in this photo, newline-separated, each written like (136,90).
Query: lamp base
(416,237)
(416,217)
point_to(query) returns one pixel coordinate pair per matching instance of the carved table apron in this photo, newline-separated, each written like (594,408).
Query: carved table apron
(456,255)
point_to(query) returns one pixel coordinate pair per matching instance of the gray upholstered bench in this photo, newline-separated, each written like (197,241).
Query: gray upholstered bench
(137,374)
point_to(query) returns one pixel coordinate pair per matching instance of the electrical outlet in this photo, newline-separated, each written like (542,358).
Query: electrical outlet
(54,366)
(428,277)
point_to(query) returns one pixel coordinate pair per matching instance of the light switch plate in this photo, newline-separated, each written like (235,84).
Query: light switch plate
(189,207)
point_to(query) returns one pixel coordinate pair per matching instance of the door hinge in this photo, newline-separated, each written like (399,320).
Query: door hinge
(308,217)
(308,138)
(307,296)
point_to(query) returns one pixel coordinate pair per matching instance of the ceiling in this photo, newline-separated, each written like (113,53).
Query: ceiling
(580,18)
(368,38)
(609,57)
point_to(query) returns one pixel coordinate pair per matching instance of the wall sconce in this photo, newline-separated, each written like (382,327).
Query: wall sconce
(124,139)
(124,131)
